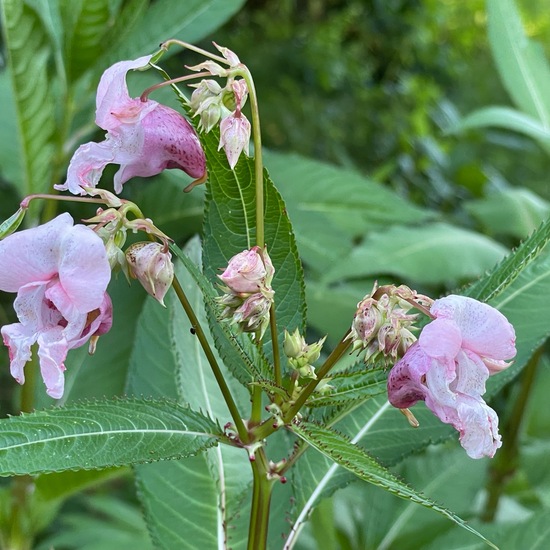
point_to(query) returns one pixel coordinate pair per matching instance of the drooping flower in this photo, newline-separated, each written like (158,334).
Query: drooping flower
(151,264)
(60,273)
(448,367)
(144,137)
(247,290)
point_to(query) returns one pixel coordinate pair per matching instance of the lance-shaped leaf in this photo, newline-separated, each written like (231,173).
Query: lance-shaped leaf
(229,228)
(100,435)
(354,459)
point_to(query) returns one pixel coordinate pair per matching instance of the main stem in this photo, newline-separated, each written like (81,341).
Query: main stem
(261,500)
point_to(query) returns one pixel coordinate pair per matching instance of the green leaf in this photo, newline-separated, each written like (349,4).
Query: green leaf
(521,63)
(356,385)
(436,253)
(29,53)
(102,434)
(86,23)
(506,118)
(515,212)
(230,228)
(329,206)
(504,274)
(354,459)
(190,21)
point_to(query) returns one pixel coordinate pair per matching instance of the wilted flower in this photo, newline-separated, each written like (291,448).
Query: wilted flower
(144,137)
(248,272)
(60,272)
(449,365)
(248,293)
(151,264)
(382,324)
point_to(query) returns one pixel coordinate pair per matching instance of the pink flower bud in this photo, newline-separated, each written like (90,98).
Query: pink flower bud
(151,264)
(234,136)
(248,272)
(253,314)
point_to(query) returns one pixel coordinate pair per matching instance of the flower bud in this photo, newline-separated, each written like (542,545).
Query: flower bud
(234,136)
(253,314)
(248,272)
(301,355)
(151,264)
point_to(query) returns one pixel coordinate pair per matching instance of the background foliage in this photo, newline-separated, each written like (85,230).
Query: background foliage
(390,170)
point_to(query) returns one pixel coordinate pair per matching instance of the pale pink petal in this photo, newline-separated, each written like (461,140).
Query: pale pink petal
(72,321)
(31,308)
(112,92)
(440,399)
(478,427)
(471,374)
(441,338)
(484,329)
(18,339)
(52,352)
(84,270)
(87,165)
(32,254)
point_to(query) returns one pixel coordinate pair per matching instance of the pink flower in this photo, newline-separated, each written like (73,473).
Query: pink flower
(248,272)
(144,137)
(449,365)
(60,272)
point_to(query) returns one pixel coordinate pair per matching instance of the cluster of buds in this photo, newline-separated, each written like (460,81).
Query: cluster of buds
(382,324)
(214,104)
(148,262)
(247,290)
(301,355)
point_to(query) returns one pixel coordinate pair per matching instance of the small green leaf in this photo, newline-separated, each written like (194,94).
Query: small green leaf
(436,253)
(354,459)
(100,435)
(10,225)
(351,387)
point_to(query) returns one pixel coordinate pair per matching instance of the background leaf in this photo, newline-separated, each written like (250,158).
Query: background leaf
(29,52)
(521,63)
(432,254)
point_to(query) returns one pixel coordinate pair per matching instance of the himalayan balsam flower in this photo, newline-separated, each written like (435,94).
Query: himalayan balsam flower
(144,137)
(448,367)
(60,272)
